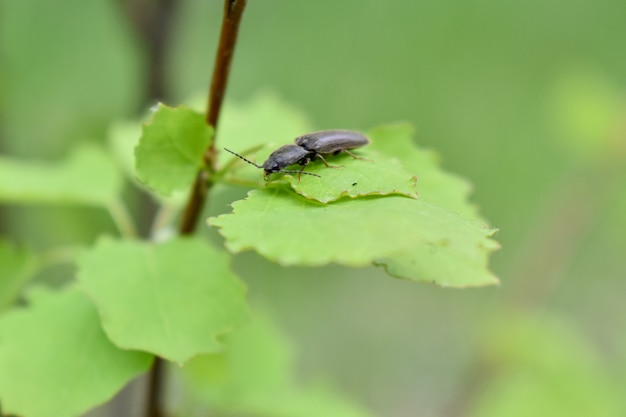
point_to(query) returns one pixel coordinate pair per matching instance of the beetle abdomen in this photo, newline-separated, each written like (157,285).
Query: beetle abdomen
(331,141)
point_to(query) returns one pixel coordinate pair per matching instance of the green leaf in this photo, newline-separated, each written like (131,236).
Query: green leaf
(87,176)
(377,175)
(450,265)
(55,360)
(433,185)
(440,238)
(16,266)
(123,137)
(292,230)
(171,148)
(255,376)
(171,299)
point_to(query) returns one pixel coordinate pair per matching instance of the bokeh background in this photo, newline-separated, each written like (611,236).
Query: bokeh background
(526,99)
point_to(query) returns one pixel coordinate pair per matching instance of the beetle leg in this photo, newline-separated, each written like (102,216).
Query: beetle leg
(356,157)
(319,155)
(304,164)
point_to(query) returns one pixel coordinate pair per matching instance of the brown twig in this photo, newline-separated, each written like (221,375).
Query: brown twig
(195,203)
(233,10)
(155,389)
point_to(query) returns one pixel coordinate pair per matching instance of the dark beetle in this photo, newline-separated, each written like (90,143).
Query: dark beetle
(331,142)
(309,147)
(283,157)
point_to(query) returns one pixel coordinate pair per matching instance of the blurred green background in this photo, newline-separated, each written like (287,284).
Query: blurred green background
(526,99)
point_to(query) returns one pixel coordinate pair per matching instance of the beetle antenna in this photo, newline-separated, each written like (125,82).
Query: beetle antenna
(301,172)
(247,160)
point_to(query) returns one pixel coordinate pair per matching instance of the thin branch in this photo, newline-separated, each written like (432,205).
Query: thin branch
(233,11)
(155,388)
(195,203)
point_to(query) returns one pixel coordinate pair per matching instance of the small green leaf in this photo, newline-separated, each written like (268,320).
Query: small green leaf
(256,376)
(171,299)
(291,230)
(171,148)
(378,174)
(16,267)
(123,137)
(55,360)
(87,176)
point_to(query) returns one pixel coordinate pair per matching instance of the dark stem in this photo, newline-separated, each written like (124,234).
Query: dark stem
(233,10)
(155,388)
(195,203)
